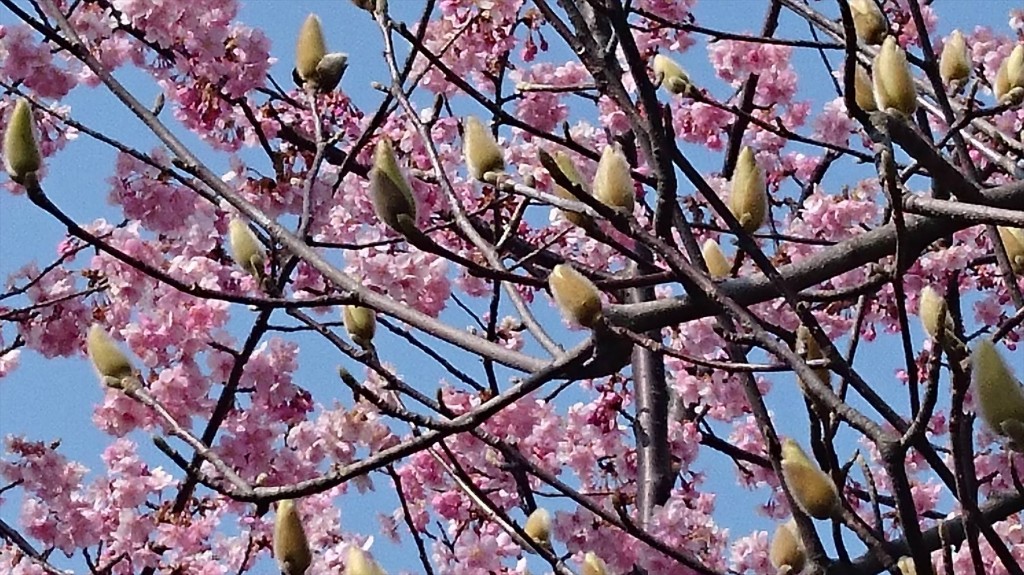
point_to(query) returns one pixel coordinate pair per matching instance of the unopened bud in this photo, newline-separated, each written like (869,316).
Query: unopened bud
(390,192)
(246,249)
(111,364)
(748,200)
(613,184)
(868,21)
(906,566)
(538,527)
(786,549)
(21,151)
(955,61)
(360,323)
(357,562)
(1013,243)
(310,48)
(863,91)
(291,548)
(329,71)
(593,565)
(670,75)
(576,296)
(931,307)
(565,165)
(718,266)
(998,393)
(812,489)
(1015,68)
(808,347)
(893,82)
(480,149)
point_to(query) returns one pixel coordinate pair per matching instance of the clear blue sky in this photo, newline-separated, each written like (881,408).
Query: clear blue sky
(54,398)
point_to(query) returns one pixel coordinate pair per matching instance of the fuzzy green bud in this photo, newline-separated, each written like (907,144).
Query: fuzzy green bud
(21,151)
(893,82)
(291,548)
(576,296)
(310,48)
(111,364)
(955,61)
(392,197)
(786,550)
(246,249)
(748,200)
(538,527)
(360,323)
(718,266)
(480,149)
(999,395)
(812,489)
(357,562)
(1013,243)
(613,184)
(593,565)
(868,21)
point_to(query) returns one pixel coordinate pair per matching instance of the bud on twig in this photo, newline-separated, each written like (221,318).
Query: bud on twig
(246,249)
(21,151)
(538,527)
(718,265)
(863,92)
(906,566)
(1009,83)
(998,393)
(812,489)
(565,165)
(310,48)
(291,548)
(593,565)
(111,364)
(931,307)
(1013,243)
(669,75)
(748,200)
(955,61)
(613,184)
(576,296)
(868,21)
(390,192)
(808,347)
(360,323)
(357,562)
(786,549)
(893,82)
(480,149)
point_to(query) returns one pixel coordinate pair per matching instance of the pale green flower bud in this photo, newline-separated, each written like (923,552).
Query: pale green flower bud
(576,296)
(357,562)
(718,266)
(748,201)
(21,151)
(955,61)
(613,184)
(1013,243)
(480,149)
(112,365)
(538,527)
(812,489)
(291,548)
(998,394)
(310,48)
(893,82)
(392,197)
(246,249)
(669,75)
(360,323)
(786,550)
(863,91)
(593,565)
(868,21)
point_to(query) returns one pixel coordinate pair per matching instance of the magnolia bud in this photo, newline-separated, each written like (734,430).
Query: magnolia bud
(670,76)
(392,197)
(812,489)
(786,548)
(310,48)
(538,527)
(1013,243)
(357,562)
(808,347)
(906,566)
(593,565)
(748,201)
(930,307)
(893,82)
(613,184)
(291,549)
(480,149)
(863,92)
(568,169)
(868,21)
(110,362)
(246,250)
(718,266)
(576,296)
(21,151)
(1015,69)
(360,323)
(998,393)
(955,61)
(329,71)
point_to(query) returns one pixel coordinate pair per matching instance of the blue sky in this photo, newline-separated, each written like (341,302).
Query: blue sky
(49,399)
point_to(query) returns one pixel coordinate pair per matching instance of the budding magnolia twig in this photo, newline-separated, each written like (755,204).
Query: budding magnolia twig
(998,393)
(955,61)
(718,265)
(390,192)
(21,151)
(812,489)
(786,550)
(246,249)
(748,200)
(565,165)
(669,75)
(868,21)
(808,347)
(576,296)
(593,565)
(360,323)
(480,149)
(112,365)
(291,549)
(538,527)
(313,65)
(613,184)
(357,562)
(893,82)
(1013,243)
(863,91)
